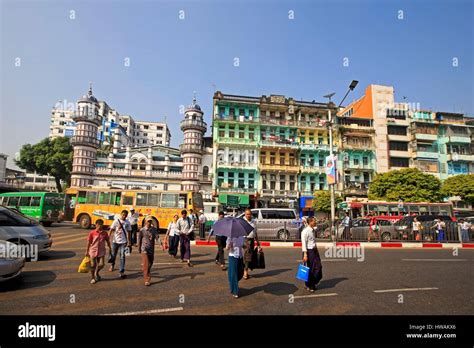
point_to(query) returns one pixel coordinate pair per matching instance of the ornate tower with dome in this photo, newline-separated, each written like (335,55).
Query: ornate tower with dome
(192,149)
(85,140)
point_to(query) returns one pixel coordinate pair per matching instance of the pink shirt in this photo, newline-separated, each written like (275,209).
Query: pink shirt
(97,240)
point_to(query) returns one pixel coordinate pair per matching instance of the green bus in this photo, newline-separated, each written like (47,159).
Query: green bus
(46,207)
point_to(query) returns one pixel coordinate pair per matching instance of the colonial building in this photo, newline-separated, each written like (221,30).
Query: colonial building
(268,151)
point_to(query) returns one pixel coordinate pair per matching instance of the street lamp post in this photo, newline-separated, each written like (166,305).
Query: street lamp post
(332,188)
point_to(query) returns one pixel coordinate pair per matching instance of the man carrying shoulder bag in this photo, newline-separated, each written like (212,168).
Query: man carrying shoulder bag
(120,233)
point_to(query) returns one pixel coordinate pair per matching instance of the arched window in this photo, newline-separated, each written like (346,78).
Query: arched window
(142,165)
(134,163)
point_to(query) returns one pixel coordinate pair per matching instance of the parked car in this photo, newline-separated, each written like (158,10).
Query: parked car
(11,262)
(282,224)
(404,227)
(360,229)
(21,230)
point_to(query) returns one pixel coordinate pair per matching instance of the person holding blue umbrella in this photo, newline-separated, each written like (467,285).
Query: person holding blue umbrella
(235,230)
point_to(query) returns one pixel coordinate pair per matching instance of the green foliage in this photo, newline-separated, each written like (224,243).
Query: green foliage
(322,201)
(49,156)
(459,185)
(409,185)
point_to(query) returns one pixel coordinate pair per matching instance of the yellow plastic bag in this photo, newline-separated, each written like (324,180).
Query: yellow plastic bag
(85,266)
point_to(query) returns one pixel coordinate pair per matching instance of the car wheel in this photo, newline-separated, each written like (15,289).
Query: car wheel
(283,235)
(386,237)
(85,221)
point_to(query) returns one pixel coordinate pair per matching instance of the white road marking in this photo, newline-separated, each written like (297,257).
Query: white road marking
(151,311)
(318,295)
(435,260)
(407,289)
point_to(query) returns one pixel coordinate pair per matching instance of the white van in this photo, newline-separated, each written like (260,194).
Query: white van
(278,223)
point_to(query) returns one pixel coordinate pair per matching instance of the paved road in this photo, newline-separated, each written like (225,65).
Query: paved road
(425,281)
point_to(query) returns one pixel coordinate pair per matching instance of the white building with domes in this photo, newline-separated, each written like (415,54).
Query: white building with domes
(158,167)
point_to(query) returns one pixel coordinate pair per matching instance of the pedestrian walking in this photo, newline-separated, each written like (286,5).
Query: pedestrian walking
(465,227)
(202,220)
(172,237)
(311,256)
(440,227)
(146,247)
(251,243)
(120,232)
(96,242)
(221,244)
(185,228)
(236,263)
(373,229)
(133,220)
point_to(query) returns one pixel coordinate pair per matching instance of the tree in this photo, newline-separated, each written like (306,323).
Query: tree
(48,157)
(459,185)
(322,201)
(106,147)
(409,185)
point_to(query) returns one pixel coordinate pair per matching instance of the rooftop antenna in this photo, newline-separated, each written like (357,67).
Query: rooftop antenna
(194,97)
(214,85)
(329,96)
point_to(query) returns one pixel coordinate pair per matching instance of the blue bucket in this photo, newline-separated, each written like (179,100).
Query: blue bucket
(303,273)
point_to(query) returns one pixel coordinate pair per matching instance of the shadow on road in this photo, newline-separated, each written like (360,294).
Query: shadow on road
(28,280)
(330,283)
(277,289)
(57,255)
(270,273)
(167,278)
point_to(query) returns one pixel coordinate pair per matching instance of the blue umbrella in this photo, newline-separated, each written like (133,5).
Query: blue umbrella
(231,227)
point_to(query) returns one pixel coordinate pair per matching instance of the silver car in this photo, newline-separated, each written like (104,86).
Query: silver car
(11,261)
(20,230)
(279,224)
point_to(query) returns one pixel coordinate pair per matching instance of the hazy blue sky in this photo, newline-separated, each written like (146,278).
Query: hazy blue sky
(170,57)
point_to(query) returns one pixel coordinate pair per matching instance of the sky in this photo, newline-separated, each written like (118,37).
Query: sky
(424,48)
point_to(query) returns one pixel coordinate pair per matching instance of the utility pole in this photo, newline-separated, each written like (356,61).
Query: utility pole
(332,186)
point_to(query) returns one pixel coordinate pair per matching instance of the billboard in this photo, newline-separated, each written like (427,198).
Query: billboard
(331,170)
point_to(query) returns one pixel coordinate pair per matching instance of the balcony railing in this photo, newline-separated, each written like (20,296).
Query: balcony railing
(280,144)
(196,124)
(195,148)
(85,140)
(348,165)
(466,139)
(356,188)
(279,167)
(245,141)
(460,157)
(312,169)
(136,172)
(315,147)
(238,189)
(236,118)
(270,192)
(242,165)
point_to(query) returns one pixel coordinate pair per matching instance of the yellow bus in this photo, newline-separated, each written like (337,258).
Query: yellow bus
(86,206)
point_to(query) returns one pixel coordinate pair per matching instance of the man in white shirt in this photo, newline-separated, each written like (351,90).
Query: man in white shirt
(311,255)
(465,227)
(202,224)
(120,234)
(133,219)
(185,228)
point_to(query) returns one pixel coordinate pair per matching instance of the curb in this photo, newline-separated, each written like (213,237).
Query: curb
(387,245)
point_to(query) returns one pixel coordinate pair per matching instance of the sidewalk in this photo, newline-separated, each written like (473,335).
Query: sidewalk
(396,245)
